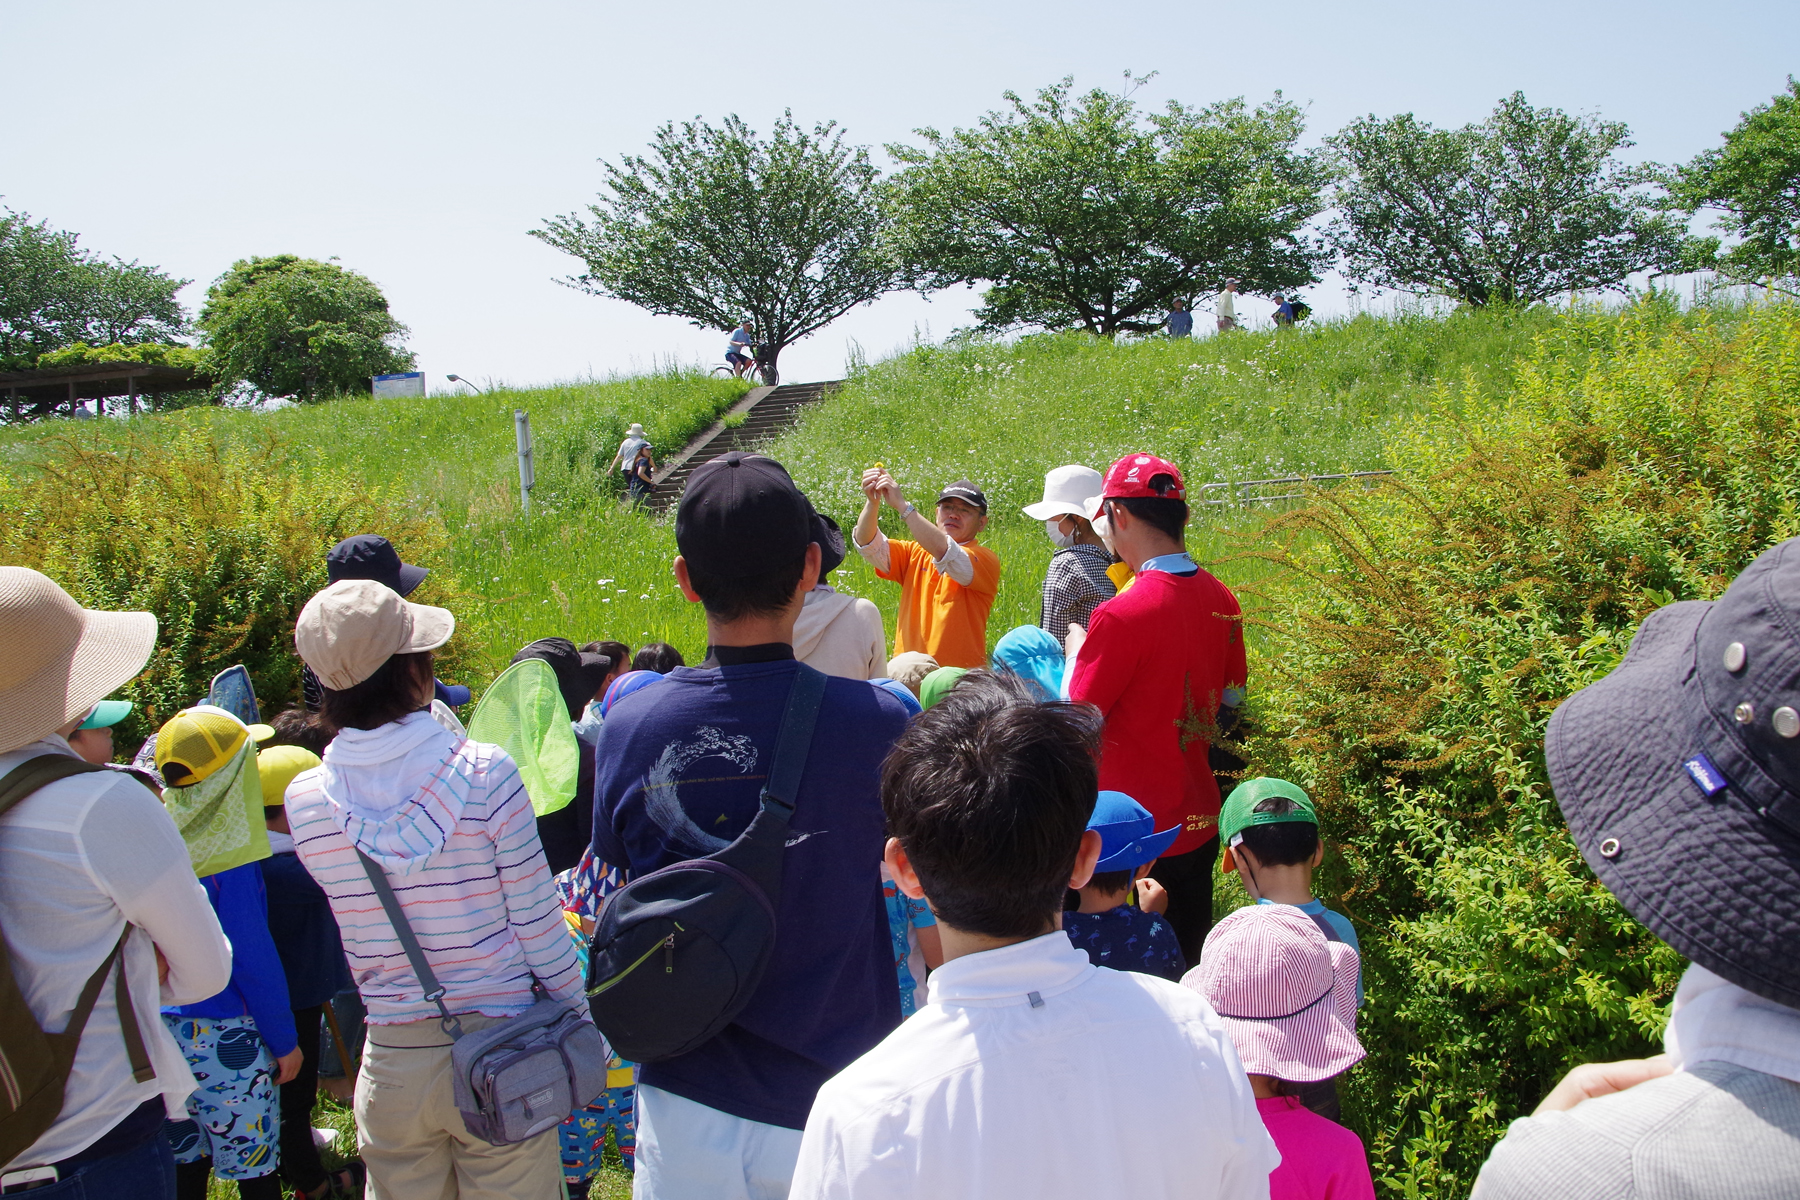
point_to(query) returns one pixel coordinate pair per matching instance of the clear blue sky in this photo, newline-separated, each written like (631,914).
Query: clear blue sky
(417,142)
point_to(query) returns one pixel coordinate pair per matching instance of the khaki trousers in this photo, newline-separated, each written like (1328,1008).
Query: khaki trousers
(412,1138)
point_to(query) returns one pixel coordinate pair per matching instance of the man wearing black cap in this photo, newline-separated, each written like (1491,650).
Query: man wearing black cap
(947,579)
(1679,776)
(681,767)
(838,634)
(371,556)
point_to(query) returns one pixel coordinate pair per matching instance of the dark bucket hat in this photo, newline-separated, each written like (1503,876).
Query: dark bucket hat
(1679,776)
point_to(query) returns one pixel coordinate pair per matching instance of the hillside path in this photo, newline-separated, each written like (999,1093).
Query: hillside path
(767,411)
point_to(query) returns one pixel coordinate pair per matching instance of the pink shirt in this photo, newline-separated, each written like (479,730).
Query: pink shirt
(1320,1159)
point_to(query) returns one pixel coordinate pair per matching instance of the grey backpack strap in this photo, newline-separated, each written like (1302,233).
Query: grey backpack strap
(782,790)
(415,954)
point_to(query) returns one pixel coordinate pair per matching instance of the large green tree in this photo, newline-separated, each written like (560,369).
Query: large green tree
(291,326)
(54,293)
(1527,204)
(714,225)
(1753,182)
(1079,215)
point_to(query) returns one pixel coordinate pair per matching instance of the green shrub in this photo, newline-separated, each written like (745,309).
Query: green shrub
(1416,640)
(223,545)
(161,354)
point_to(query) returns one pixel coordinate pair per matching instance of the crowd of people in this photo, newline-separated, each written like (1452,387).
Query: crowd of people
(992,967)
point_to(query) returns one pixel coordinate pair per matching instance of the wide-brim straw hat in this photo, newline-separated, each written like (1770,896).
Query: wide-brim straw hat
(1679,777)
(60,659)
(1285,994)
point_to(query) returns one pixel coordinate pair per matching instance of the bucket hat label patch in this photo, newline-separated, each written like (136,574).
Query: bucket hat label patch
(1708,778)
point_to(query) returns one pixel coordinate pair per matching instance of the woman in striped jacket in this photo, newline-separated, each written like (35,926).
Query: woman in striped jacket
(449,822)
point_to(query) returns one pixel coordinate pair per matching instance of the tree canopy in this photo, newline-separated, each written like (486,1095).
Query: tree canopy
(53,293)
(1528,203)
(291,326)
(1753,181)
(1080,216)
(714,225)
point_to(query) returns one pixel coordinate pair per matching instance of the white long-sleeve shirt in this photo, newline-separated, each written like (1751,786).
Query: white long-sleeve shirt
(79,859)
(955,561)
(1031,1072)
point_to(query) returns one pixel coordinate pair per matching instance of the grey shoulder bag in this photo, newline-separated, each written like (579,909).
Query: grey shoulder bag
(522,1076)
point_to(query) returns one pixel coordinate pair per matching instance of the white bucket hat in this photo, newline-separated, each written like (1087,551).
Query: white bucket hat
(1066,491)
(634,430)
(60,659)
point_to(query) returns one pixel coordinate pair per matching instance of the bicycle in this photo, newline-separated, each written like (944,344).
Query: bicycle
(760,368)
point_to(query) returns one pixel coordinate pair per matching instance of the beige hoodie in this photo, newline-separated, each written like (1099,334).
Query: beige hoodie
(841,635)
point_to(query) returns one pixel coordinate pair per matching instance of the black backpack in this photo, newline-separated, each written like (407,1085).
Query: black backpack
(678,953)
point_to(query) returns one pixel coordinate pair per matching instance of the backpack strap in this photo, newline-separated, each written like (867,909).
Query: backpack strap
(781,791)
(20,782)
(409,942)
(37,772)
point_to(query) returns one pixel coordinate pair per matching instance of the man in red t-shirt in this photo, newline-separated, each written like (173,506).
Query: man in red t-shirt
(1163,660)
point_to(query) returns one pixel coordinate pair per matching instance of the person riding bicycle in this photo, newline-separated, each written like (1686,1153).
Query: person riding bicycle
(740,352)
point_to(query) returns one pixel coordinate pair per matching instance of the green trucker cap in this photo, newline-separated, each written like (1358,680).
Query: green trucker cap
(107,712)
(1263,801)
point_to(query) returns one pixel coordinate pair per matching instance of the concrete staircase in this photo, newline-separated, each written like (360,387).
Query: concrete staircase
(767,413)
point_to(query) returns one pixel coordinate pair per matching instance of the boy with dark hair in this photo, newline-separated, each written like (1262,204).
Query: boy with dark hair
(1270,831)
(662,657)
(988,796)
(1114,933)
(1164,661)
(681,768)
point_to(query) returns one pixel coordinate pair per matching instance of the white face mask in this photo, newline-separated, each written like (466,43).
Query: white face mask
(1053,527)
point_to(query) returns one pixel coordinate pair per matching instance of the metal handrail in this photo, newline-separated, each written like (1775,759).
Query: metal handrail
(1239,493)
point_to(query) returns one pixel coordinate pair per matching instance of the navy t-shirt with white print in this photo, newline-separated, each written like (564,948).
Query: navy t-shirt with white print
(681,769)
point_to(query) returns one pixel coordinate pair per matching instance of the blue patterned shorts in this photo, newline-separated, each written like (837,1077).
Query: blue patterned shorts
(234,1116)
(583,1136)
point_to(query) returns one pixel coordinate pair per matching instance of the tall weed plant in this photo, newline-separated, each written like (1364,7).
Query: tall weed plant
(1413,644)
(223,544)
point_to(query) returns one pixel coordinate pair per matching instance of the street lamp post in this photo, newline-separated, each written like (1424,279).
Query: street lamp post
(464,382)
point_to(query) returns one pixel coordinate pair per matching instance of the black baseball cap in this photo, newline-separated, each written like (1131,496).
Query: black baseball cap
(966,491)
(371,556)
(831,544)
(741,515)
(578,674)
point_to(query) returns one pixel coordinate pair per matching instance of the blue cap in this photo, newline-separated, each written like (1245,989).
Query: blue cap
(453,694)
(901,693)
(1128,836)
(106,713)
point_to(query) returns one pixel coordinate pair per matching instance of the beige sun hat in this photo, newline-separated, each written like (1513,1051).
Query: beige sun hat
(1066,489)
(59,659)
(348,630)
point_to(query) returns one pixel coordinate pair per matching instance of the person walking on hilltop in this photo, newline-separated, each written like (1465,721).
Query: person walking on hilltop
(1179,321)
(1164,661)
(947,579)
(1225,307)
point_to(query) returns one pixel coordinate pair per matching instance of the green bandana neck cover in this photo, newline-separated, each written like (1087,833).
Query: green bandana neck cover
(523,712)
(221,817)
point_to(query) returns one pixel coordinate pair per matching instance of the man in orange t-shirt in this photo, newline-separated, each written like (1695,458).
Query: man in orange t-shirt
(947,580)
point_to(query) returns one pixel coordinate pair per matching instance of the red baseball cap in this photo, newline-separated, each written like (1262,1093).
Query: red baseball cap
(1130,477)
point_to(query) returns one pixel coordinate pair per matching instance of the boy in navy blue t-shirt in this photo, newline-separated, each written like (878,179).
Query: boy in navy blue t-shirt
(680,770)
(1113,932)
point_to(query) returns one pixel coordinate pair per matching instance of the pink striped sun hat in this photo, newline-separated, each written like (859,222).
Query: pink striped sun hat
(1286,995)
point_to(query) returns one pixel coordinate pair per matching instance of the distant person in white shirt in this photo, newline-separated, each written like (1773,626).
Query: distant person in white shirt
(1028,1071)
(1226,306)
